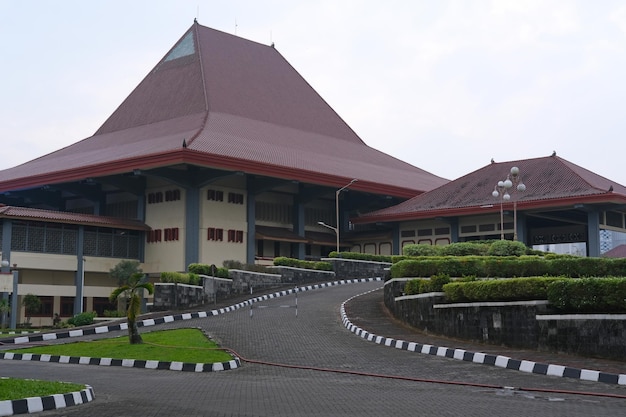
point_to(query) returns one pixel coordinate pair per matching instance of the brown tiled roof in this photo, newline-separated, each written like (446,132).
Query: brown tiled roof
(236,105)
(24,213)
(550,182)
(616,252)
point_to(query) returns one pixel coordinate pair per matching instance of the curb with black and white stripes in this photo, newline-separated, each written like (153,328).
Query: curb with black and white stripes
(482,358)
(50,402)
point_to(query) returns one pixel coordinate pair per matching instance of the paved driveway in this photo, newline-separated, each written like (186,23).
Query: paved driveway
(317,339)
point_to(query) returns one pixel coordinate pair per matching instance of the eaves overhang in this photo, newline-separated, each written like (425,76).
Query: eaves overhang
(188,156)
(568,202)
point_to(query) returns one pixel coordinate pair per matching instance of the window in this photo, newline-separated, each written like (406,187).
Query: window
(407,233)
(100,304)
(215,195)
(442,231)
(47,303)
(67,306)
(171,234)
(235,198)
(425,232)
(215,234)
(172,195)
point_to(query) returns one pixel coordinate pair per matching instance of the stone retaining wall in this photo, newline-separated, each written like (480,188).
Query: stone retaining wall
(302,276)
(521,324)
(353,268)
(174,295)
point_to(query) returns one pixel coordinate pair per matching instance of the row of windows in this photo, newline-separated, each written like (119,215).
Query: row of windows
(170,195)
(283,213)
(63,239)
(66,307)
(217,195)
(158,235)
(218,235)
(438,231)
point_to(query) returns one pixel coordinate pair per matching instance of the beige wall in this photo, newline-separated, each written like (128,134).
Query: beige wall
(165,255)
(226,216)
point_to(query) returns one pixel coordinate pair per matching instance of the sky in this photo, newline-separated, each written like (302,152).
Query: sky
(443,85)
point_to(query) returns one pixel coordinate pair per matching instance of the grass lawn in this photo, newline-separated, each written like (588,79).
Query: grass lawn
(181,345)
(14,389)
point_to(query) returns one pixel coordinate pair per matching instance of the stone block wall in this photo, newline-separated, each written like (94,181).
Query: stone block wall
(302,276)
(354,269)
(244,280)
(599,335)
(521,324)
(171,296)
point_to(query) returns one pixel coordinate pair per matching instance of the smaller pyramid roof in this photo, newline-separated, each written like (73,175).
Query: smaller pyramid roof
(550,182)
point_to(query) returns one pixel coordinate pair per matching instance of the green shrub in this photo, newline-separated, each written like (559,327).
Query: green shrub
(513,289)
(208,270)
(361,256)
(506,248)
(298,263)
(589,295)
(465,249)
(438,281)
(180,278)
(422,285)
(421,250)
(114,313)
(82,319)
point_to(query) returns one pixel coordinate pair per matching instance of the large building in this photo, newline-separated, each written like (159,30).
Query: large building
(222,152)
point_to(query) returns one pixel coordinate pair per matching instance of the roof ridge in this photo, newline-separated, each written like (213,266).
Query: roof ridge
(204,90)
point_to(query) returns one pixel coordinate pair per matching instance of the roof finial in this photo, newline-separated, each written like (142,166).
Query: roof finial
(611,188)
(553,153)
(184,144)
(492,161)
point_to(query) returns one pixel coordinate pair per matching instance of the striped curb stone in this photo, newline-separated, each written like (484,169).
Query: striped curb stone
(50,402)
(482,358)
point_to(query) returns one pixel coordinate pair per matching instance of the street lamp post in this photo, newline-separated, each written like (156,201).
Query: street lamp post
(337,226)
(512,182)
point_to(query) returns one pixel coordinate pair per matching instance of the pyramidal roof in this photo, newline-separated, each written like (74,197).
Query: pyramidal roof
(221,101)
(550,182)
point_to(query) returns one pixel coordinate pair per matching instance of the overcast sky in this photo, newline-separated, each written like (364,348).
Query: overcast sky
(443,85)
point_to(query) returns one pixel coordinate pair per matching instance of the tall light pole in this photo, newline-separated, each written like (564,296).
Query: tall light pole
(337,225)
(501,190)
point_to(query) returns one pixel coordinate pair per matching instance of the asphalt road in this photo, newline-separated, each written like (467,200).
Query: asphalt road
(311,365)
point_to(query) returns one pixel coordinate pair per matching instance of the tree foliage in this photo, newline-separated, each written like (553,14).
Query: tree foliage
(124,270)
(132,289)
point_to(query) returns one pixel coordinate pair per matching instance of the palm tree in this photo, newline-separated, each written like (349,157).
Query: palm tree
(136,283)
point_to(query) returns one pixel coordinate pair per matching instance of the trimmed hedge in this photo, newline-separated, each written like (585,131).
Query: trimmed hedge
(481,248)
(589,295)
(421,285)
(361,256)
(297,263)
(513,289)
(509,267)
(180,278)
(204,269)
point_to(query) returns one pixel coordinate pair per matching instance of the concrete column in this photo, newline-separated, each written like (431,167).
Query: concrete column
(298,226)
(192,225)
(593,234)
(395,240)
(251,232)
(79,279)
